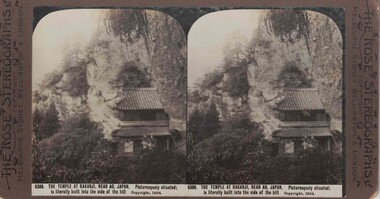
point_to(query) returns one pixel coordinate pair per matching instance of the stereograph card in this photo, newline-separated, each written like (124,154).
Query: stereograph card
(238,99)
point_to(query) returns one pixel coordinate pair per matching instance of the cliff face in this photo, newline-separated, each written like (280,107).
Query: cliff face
(317,54)
(160,55)
(289,49)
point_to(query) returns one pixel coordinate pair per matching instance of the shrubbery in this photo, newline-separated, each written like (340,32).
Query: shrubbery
(76,84)
(131,76)
(212,79)
(79,153)
(288,24)
(239,154)
(46,124)
(237,84)
(292,77)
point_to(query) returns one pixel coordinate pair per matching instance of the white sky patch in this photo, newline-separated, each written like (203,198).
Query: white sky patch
(209,34)
(58,31)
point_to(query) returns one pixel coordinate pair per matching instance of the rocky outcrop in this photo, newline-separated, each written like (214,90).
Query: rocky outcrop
(317,54)
(161,55)
(306,43)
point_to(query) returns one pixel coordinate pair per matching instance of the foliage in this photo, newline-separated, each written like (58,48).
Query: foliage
(37,119)
(239,158)
(237,84)
(46,125)
(127,24)
(212,79)
(292,77)
(288,24)
(310,167)
(76,83)
(131,77)
(219,159)
(210,123)
(53,78)
(79,153)
(193,124)
(196,96)
(238,154)
(72,75)
(234,51)
(239,121)
(74,66)
(326,167)
(65,151)
(38,96)
(161,166)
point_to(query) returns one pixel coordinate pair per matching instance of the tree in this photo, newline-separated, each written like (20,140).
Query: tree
(37,119)
(161,166)
(292,77)
(49,124)
(131,76)
(79,153)
(74,65)
(222,158)
(67,156)
(128,24)
(288,24)
(212,79)
(235,50)
(210,123)
(237,84)
(193,124)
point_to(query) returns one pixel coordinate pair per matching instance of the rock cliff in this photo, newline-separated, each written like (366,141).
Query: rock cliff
(160,55)
(290,48)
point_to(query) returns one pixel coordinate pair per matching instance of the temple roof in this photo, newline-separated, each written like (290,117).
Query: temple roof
(302,132)
(139,99)
(301,99)
(141,131)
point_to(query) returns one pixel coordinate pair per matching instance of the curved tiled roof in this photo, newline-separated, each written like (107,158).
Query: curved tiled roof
(302,132)
(141,131)
(140,99)
(301,99)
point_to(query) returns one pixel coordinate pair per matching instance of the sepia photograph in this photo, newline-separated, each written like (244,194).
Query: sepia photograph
(189,99)
(265,98)
(109,97)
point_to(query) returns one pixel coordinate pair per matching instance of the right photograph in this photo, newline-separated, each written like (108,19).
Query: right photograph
(265,98)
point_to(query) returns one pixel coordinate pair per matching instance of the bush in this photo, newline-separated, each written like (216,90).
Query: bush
(131,76)
(219,159)
(127,24)
(292,77)
(288,24)
(237,84)
(212,79)
(76,84)
(240,155)
(47,124)
(196,96)
(210,123)
(62,155)
(192,132)
(161,167)
(79,153)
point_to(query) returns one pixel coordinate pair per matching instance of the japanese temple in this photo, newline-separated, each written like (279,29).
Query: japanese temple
(144,123)
(304,122)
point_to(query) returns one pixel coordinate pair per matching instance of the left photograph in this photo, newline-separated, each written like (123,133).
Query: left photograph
(109,97)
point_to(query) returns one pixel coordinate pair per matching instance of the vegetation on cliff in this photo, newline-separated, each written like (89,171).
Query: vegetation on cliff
(132,48)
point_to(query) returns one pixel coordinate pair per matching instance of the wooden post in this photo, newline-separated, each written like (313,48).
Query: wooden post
(167,143)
